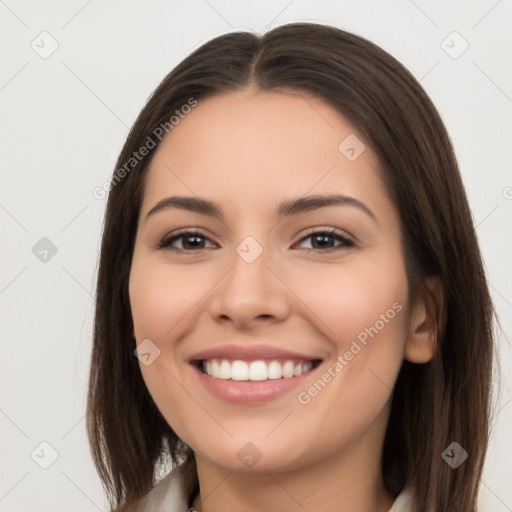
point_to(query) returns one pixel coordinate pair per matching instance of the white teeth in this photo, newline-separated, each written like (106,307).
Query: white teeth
(288,370)
(225,370)
(239,370)
(257,370)
(254,370)
(307,366)
(274,370)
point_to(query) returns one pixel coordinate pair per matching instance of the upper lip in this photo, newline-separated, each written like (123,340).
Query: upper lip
(248,353)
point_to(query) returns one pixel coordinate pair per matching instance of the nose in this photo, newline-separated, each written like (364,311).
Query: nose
(250,294)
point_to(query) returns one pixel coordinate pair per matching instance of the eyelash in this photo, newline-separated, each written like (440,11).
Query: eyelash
(165,243)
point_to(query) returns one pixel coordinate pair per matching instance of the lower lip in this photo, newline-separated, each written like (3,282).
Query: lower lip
(250,392)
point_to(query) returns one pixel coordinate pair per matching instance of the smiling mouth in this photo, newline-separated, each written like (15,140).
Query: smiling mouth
(256,370)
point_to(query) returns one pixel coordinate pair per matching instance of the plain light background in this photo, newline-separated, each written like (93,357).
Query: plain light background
(65,116)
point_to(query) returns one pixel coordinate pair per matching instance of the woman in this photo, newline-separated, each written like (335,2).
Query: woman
(289,253)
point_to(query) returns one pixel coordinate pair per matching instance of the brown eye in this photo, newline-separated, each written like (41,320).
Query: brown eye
(323,241)
(190,241)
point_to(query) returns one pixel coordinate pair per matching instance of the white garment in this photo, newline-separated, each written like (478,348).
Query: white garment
(168,496)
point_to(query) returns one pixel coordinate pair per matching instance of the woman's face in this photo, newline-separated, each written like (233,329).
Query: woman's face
(265,287)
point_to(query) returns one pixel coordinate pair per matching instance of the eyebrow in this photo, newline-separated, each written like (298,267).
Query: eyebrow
(285,209)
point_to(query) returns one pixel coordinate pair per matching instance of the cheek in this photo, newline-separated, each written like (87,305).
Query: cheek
(353,298)
(364,316)
(160,296)
(162,300)
(367,330)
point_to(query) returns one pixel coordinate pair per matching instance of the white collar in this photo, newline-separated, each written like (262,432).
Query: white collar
(168,495)
(404,501)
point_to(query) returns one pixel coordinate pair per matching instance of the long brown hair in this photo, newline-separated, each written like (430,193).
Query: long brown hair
(434,404)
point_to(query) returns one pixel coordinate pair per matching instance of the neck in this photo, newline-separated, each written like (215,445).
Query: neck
(347,482)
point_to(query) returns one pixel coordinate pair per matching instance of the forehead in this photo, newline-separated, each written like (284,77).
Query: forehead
(258,146)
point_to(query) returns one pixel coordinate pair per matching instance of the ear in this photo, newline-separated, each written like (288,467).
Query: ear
(427,322)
